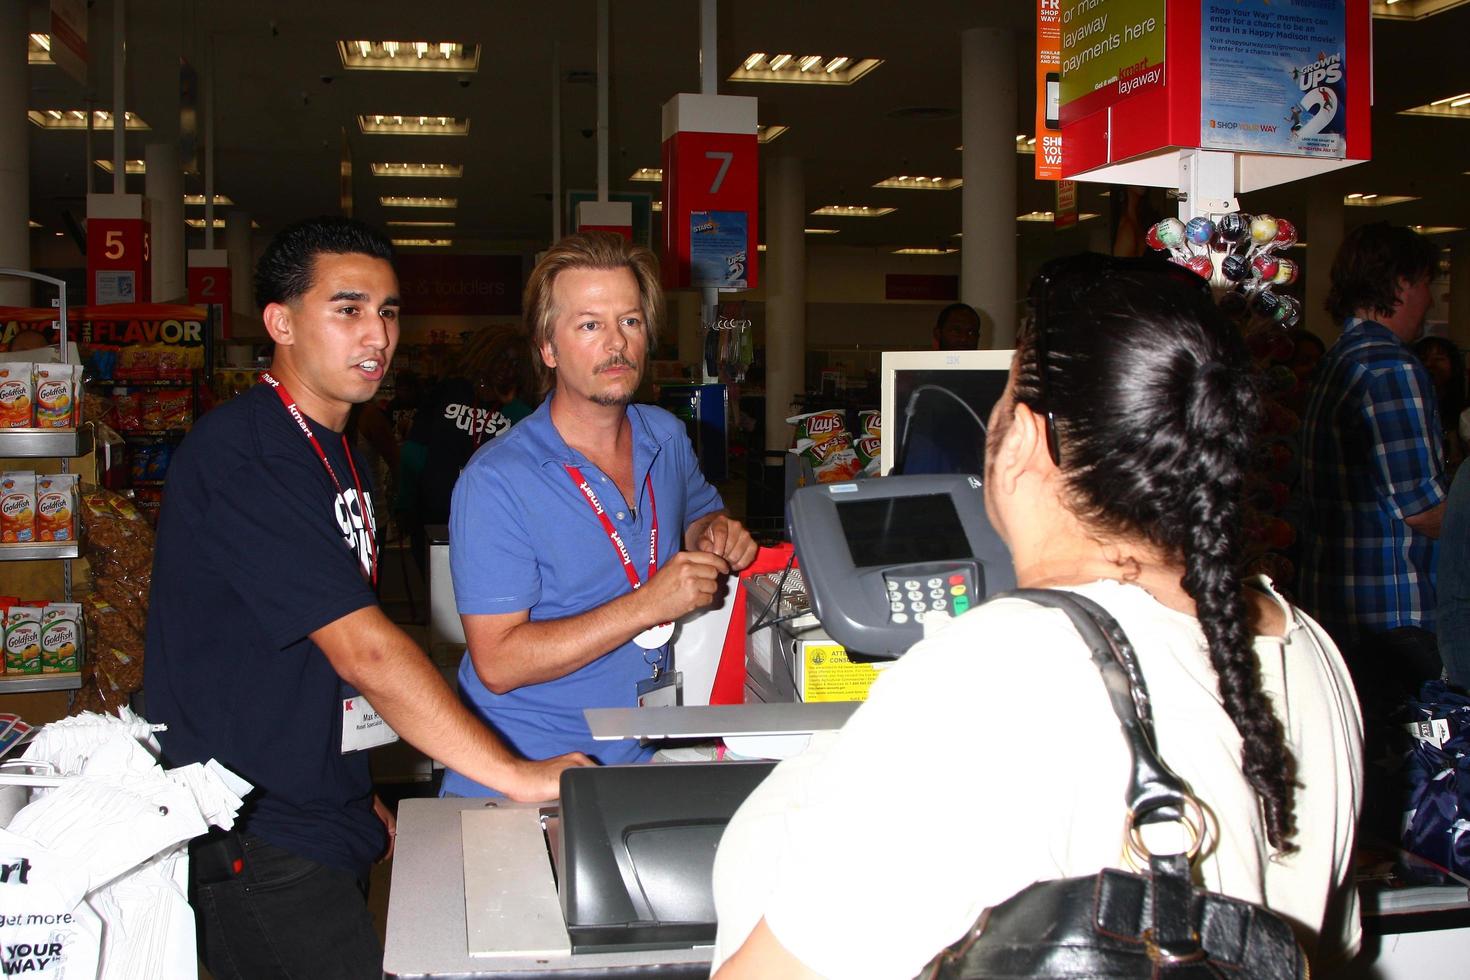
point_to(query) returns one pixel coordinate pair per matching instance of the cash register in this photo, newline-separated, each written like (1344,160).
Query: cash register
(885,561)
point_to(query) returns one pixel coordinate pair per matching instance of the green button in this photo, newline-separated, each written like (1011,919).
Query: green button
(960,604)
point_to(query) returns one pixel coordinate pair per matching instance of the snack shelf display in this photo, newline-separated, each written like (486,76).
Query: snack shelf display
(65,444)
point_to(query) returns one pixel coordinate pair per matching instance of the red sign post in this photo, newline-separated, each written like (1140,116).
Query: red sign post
(209,283)
(711,178)
(119,266)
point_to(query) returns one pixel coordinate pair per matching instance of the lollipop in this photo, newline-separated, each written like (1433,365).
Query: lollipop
(1237,268)
(1289,312)
(1152,237)
(1266,266)
(1265,303)
(1170,233)
(1263,229)
(1199,230)
(1286,271)
(1285,233)
(1232,227)
(1200,265)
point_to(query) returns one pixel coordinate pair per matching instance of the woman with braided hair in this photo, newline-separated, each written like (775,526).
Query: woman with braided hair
(988,757)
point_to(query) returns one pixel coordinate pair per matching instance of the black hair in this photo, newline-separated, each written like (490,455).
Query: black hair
(1452,396)
(1371,261)
(285,269)
(1155,417)
(955,308)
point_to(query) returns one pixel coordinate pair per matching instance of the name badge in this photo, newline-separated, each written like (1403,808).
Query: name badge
(664,691)
(362,727)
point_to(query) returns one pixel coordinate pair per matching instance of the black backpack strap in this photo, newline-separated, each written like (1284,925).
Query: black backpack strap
(1155,793)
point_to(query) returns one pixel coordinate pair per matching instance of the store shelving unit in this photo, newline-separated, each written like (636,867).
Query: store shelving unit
(62,444)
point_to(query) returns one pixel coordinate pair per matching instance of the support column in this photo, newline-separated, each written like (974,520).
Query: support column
(164,185)
(15,162)
(988,115)
(1460,291)
(785,295)
(242,266)
(1324,237)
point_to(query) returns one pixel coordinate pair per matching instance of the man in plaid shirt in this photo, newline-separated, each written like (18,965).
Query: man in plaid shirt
(1372,484)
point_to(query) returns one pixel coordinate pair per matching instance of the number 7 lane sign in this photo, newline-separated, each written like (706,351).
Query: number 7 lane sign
(711,175)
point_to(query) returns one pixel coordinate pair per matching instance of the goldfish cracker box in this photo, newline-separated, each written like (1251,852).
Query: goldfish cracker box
(17,394)
(56,507)
(23,640)
(56,395)
(17,508)
(61,629)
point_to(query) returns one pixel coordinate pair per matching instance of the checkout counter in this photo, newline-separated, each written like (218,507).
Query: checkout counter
(615,881)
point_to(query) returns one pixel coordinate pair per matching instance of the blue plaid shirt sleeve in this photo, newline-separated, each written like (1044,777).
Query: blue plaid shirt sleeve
(1398,409)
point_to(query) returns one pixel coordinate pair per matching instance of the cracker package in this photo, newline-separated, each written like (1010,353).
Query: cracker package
(61,631)
(18,508)
(56,507)
(17,394)
(56,395)
(23,640)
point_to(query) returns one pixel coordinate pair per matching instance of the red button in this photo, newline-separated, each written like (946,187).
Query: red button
(956,580)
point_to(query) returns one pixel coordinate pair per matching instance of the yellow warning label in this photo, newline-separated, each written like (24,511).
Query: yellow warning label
(830,676)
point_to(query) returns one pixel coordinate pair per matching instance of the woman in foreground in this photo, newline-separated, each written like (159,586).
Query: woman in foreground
(989,757)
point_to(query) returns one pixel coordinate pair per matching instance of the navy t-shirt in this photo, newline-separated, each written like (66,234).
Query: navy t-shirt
(452,424)
(255,551)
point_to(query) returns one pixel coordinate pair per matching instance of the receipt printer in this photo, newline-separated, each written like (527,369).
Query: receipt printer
(885,558)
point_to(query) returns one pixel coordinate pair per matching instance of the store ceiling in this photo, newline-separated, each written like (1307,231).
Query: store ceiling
(284,101)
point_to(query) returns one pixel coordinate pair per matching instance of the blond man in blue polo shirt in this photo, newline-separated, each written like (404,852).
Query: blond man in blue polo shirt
(579,537)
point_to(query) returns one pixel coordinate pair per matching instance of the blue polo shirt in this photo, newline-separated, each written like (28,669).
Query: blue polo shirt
(522,536)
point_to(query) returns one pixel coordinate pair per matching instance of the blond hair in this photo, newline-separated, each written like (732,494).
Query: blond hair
(589,250)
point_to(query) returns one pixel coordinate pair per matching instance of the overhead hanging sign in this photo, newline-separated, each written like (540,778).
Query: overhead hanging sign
(711,165)
(119,259)
(1273,78)
(1111,50)
(1048,89)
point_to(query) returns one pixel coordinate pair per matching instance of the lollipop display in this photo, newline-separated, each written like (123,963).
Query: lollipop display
(1238,254)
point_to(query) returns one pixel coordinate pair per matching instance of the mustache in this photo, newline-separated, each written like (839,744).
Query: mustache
(616,361)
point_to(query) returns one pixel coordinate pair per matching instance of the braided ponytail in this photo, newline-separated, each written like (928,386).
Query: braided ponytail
(1219,418)
(1155,416)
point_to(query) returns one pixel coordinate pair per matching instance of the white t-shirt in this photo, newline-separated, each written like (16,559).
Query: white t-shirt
(989,758)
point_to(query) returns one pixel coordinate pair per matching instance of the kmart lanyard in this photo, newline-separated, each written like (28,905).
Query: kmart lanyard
(295,413)
(655,636)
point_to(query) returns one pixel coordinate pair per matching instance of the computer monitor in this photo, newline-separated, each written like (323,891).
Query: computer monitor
(945,432)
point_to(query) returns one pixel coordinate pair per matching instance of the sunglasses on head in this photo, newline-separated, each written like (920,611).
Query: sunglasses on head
(1075,274)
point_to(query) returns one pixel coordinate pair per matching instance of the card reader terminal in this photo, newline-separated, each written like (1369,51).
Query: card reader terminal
(918,592)
(883,557)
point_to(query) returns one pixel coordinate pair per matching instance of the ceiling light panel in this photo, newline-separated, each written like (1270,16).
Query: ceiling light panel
(1376,200)
(409,56)
(1411,9)
(400,201)
(197,200)
(77,119)
(652,174)
(905,182)
(417,169)
(423,242)
(803,69)
(1456,106)
(38,50)
(657,207)
(765,134)
(1435,229)
(820,231)
(1036,216)
(852,211)
(917,250)
(421,224)
(218,223)
(380,125)
(129,166)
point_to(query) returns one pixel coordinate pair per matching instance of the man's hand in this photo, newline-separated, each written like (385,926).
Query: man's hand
(390,823)
(688,581)
(541,780)
(725,537)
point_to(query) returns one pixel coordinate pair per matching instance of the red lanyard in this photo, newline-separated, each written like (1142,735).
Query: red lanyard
(612,532)
(295,413)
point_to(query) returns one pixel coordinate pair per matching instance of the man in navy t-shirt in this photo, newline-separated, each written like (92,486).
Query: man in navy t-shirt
(266,647)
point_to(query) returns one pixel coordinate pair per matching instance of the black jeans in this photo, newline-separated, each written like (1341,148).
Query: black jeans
(1388,668)
(279,915)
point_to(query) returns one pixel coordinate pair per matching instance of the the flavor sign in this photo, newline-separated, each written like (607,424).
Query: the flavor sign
(1111,49)
(1272,77)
